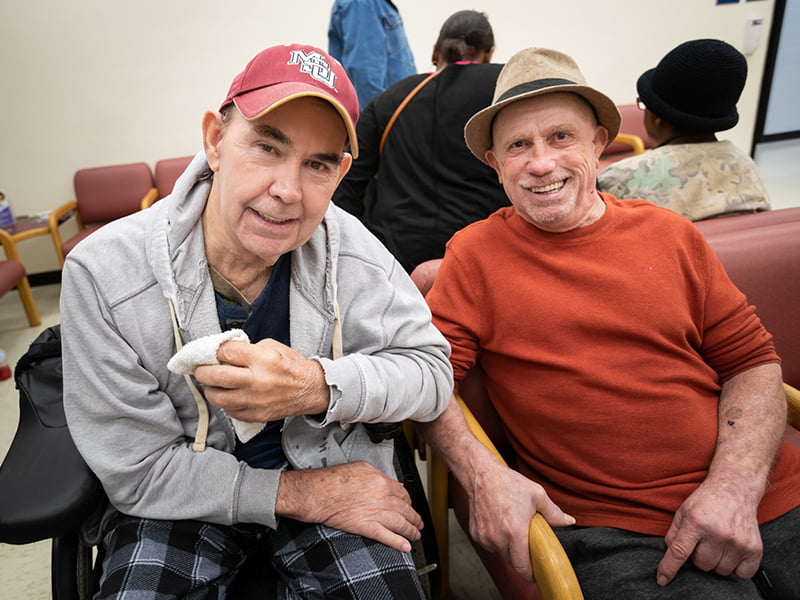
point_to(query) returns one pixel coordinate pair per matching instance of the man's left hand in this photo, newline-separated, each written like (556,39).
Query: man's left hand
(264,382)
(717,528)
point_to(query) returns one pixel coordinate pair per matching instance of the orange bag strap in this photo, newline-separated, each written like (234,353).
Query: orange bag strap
(405,101)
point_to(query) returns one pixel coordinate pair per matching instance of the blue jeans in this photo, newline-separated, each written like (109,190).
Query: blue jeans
(368,38)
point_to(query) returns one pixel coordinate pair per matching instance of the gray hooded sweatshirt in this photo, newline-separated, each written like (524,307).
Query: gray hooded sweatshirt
(134,421)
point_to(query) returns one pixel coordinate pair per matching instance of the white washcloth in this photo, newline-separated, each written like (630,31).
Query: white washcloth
(203,351)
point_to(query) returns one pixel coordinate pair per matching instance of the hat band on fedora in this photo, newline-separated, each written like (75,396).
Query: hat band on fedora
(533,86)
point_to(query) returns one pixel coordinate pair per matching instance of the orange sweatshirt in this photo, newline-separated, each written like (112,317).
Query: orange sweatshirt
(604,349)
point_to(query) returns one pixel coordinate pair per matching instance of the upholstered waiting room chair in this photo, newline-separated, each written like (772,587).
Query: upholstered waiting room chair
(720,225)
(167,172)
(761,254)
(102,194)
(768,276)
(12,274)
(554,575)
(764,263)
(632,138)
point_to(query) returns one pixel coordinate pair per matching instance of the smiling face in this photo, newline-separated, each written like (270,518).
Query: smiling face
(273,180)
(545,150)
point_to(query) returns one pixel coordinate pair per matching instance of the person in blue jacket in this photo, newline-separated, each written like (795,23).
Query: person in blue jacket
(368,38)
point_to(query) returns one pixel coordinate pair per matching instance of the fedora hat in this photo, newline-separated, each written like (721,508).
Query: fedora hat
(534,72)
(696,86)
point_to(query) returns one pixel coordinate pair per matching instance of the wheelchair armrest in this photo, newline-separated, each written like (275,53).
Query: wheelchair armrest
(46,488)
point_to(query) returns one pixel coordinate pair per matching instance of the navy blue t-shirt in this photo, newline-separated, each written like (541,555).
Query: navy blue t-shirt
(268,318)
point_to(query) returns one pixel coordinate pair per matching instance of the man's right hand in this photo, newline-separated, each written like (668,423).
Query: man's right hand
(353,497)
(502,501)
(502,504)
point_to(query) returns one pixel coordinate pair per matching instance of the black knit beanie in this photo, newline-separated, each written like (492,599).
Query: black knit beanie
(696,86)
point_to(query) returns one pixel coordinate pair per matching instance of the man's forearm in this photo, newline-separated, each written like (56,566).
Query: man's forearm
(716,526)
(752,418)
(450,436)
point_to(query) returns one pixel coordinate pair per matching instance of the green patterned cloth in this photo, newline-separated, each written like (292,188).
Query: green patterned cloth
(699,181)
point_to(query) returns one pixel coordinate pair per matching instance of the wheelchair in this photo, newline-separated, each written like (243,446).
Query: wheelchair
(48,492)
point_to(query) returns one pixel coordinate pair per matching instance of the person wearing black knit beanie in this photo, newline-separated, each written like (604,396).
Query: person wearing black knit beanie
(687,98)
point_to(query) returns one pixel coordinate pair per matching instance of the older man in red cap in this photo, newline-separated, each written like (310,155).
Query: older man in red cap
(211,450)
(638,387)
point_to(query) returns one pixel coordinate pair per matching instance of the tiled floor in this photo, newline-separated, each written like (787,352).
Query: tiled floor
(779,164)
(24,569)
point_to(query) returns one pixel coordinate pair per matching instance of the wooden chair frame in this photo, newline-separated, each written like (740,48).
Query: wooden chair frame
(633,140)
(23,285)
(69,209)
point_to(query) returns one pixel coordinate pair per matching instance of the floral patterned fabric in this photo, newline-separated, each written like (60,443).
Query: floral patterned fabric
(699,181)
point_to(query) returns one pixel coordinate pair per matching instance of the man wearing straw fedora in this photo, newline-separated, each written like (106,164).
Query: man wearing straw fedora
(639,389)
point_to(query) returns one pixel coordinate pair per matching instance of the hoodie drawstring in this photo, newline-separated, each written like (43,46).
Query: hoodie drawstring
(199,444)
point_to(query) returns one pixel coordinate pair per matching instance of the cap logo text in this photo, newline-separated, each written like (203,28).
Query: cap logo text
(315,65)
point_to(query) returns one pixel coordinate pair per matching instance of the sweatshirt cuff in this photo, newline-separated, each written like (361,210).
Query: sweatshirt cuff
(257,496)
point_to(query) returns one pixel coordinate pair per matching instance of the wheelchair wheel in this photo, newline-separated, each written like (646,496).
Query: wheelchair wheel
(86,581)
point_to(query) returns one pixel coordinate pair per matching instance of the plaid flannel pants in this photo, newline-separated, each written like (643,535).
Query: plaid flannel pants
(152,559)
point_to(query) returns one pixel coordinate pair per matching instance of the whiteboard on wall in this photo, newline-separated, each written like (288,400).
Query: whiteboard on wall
(783,108)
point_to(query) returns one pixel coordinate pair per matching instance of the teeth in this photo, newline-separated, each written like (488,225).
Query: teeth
(548,188)
(271,220)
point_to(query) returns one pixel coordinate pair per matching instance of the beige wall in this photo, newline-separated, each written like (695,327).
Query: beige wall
(96,82)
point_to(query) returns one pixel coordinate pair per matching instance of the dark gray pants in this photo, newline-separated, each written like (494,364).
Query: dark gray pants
(613,564)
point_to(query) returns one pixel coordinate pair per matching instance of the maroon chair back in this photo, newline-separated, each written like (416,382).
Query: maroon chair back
(167,172)
(11,273)
(764,262)
(424,274)
(632,122)
(740,222)
(107,193)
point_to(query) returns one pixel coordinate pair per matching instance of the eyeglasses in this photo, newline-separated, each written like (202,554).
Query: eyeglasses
(640,104)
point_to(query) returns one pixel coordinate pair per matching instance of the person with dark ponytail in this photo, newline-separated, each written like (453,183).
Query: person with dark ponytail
(422,184)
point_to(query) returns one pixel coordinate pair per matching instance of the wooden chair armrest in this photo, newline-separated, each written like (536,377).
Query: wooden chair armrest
(632,140)
(438,502)
(23,285)
(57,215)
(149,198)
(551,567)
(793,399)
(9,246)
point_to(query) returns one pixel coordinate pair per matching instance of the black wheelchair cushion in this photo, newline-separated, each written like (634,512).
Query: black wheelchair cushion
(46,489)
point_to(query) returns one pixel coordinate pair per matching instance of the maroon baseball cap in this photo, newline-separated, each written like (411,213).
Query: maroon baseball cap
(282,73)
